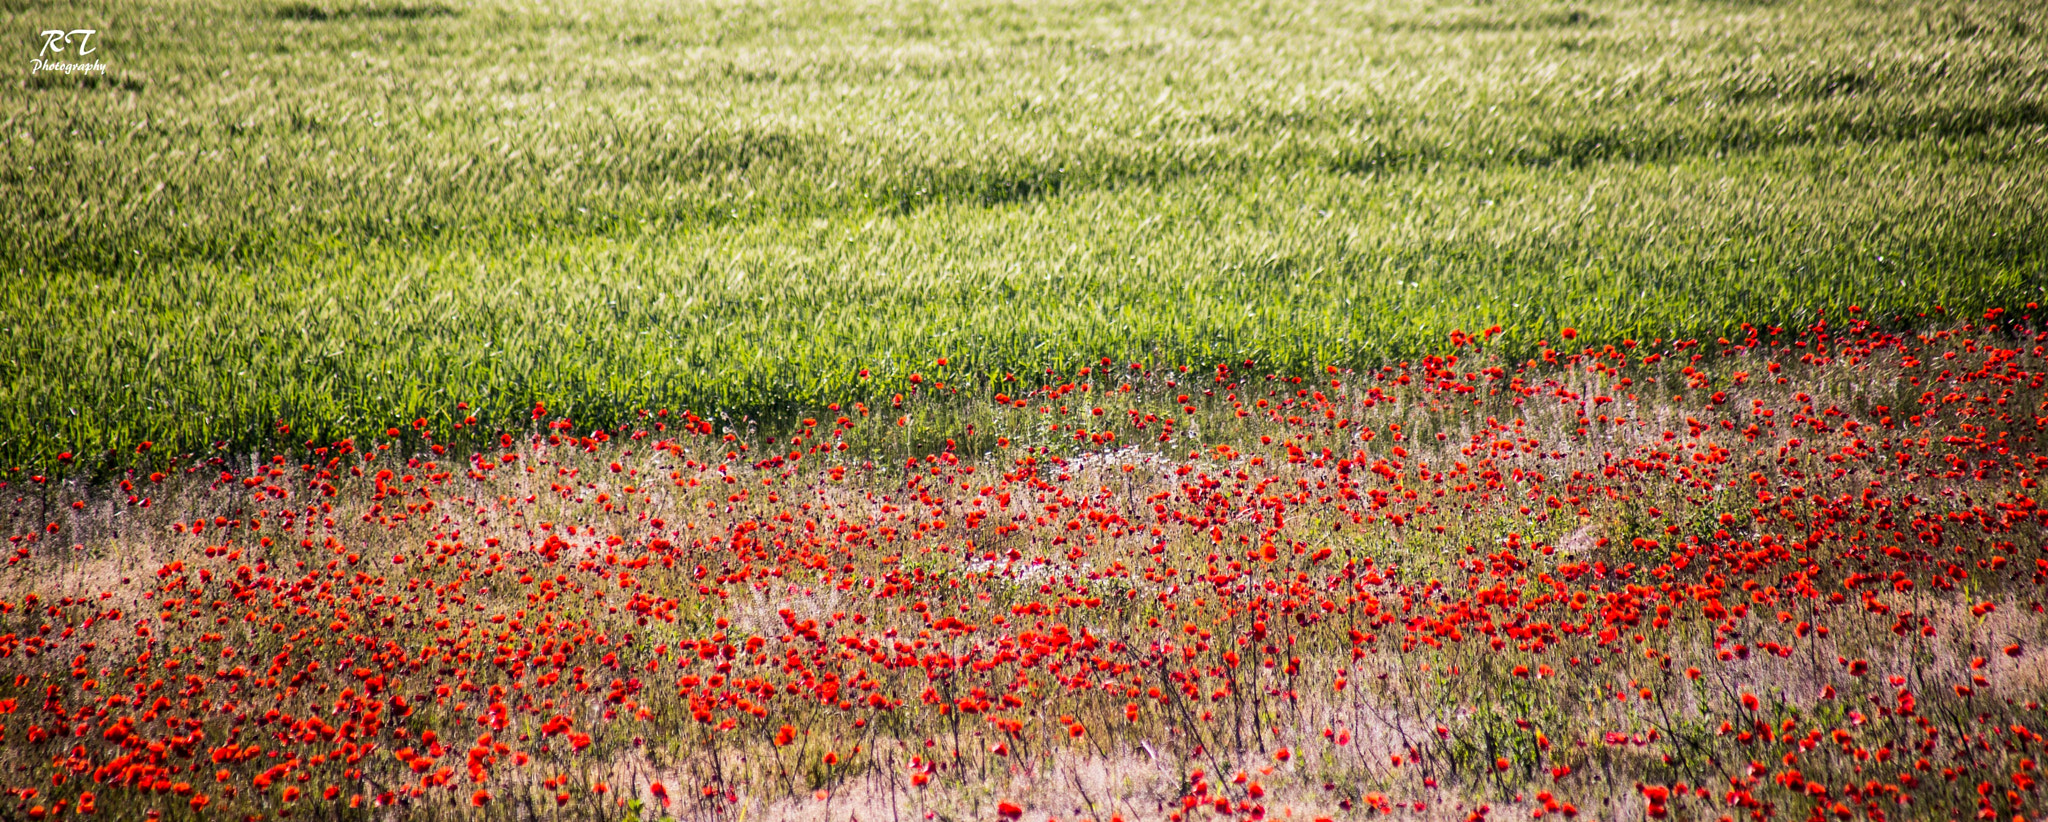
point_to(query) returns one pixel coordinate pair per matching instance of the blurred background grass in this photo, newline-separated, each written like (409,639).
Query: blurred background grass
(352,215)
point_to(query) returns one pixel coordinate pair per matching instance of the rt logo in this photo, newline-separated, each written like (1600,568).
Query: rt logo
(54,40)
(78,42)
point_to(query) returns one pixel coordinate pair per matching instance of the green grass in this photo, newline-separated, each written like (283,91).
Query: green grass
(348,215)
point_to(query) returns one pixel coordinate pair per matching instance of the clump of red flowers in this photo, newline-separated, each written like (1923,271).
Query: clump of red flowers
(1794,574)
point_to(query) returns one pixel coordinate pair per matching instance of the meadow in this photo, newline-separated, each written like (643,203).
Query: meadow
(348,216)
(1793,577)
(1059,411)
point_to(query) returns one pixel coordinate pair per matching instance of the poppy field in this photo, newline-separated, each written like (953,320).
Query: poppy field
(1791,574)
(1069,411)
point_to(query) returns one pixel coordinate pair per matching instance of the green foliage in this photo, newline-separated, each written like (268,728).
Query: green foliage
(352,215)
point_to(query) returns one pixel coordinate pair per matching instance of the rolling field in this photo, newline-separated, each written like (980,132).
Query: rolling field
(356,215)
(1025,412)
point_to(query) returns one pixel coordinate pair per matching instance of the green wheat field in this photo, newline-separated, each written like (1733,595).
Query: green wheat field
(351,215)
